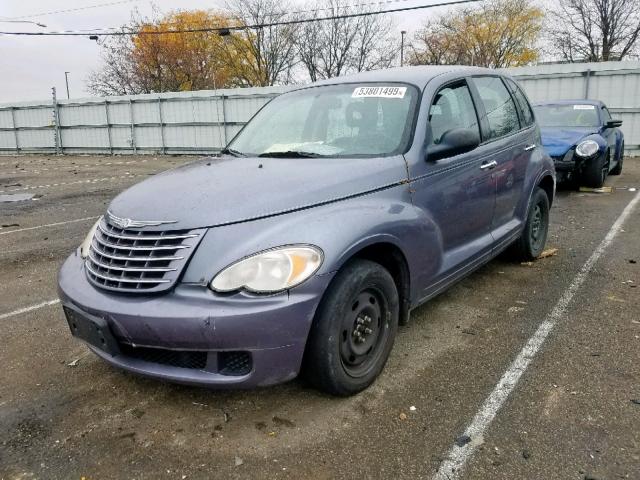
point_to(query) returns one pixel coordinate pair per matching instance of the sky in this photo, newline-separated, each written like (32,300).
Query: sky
(30,66)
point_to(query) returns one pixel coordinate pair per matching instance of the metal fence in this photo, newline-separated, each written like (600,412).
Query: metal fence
(203,121)
(171,123)
(615,83)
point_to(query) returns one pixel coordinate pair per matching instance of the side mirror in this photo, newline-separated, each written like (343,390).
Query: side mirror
(613,123)
(453,142)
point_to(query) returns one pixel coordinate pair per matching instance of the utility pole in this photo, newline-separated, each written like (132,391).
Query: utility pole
(402,34)
(66,80)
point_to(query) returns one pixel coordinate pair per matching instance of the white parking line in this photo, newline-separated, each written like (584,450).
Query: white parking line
(453,466)
(29,309)
(48,225)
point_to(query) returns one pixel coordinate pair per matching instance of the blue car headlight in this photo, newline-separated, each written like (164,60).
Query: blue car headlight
(270,271)
(587,148)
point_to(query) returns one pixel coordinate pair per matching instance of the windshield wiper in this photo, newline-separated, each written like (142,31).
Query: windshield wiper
(291,154)
(231,151)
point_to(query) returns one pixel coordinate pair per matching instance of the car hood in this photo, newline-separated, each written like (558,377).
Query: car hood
(221,191)
(557,140)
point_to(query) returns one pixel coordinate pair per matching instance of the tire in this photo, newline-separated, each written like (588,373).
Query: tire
(534,236)
(362,298)
(617,170)
(595,171)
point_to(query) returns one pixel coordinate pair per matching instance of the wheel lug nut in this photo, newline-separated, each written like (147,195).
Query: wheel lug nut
(368,331)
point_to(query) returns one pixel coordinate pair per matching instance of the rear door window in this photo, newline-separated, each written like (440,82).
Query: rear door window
(526,114)
(452,108)
(501,114)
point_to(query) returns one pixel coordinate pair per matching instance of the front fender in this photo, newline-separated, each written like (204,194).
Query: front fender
(340,229)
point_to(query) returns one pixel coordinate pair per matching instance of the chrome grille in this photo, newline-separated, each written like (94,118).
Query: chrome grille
(130,260)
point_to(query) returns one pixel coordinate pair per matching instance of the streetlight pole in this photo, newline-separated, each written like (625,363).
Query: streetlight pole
(402,33)
(66,80)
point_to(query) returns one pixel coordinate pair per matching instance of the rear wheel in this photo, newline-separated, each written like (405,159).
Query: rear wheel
(534,237)
(595,171)
(617,170)
(354,329)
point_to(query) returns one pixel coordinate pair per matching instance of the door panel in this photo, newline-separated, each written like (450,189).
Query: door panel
(455,193)
(503,127)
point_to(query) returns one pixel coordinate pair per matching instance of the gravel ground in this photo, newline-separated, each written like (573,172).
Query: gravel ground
(575,414)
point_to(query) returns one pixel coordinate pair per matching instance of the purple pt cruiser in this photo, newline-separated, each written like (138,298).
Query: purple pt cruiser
(336,210)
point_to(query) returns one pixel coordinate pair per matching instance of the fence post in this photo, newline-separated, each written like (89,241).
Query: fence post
(56,124)
(106,113)
(15,128)
(164,149)
(224,123)
(133,127)
(586,86)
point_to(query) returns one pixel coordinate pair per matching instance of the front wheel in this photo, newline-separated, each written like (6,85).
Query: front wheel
(354,329)
(595,171)
(534,237)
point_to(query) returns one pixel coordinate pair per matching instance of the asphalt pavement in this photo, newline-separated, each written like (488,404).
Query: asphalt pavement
(570,411)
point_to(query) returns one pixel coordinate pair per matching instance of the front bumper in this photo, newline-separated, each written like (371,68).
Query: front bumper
(192,320)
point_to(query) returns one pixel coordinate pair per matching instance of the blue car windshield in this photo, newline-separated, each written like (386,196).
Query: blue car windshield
(346,120)
(578,115)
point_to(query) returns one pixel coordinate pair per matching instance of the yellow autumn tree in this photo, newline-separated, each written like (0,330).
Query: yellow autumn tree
(496,34)
(195,59)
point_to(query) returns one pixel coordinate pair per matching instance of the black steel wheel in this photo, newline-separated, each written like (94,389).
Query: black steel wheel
(354,329)
(534,236)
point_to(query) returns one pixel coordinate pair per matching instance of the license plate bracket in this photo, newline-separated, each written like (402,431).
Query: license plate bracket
(93,330)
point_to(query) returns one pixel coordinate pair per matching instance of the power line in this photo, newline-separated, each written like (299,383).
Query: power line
(228,29)
(337,9)
(344,8)
(77,9)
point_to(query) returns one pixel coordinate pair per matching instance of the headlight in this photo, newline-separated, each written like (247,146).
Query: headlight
(84,246)
(588,148)
(270,271)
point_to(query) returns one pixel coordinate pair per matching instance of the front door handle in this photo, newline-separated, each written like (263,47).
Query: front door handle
(489,165)
(529,147)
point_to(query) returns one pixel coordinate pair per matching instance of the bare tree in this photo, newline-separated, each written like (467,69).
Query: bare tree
(264,55)
(329,48)
(118,74)
(596,30)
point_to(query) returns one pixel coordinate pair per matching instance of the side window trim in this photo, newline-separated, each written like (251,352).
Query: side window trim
(481,113)
(462,81)
(484,123)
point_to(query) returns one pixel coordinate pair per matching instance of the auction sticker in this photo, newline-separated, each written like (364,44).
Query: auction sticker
(584,107)
(379,92)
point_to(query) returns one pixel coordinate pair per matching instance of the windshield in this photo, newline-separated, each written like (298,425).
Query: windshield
(372,119)
(567,115)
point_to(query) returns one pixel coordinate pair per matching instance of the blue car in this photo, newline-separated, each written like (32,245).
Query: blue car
(338,208)
(584,141)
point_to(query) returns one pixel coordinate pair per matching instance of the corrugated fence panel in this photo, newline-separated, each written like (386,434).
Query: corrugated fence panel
(205,121)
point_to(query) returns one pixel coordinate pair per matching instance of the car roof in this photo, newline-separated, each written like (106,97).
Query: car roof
(582,101)
(416,75)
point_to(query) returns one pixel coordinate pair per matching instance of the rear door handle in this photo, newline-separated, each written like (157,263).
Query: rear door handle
(489,165)
(529,147)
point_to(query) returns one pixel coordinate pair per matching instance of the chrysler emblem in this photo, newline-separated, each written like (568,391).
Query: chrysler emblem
(124,223)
